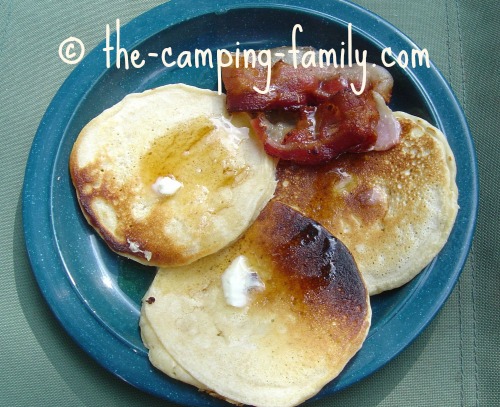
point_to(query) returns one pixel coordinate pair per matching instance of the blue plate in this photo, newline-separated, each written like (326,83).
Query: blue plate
(96,294)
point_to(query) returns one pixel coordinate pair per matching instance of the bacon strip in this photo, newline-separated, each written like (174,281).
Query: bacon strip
(290,87)
(330,118)
(346,123)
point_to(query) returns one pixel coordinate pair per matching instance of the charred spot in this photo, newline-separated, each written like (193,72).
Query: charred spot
(311,266)
(151,300)
(309,234)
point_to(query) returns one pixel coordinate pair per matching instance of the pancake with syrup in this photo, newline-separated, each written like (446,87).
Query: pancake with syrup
(267,321)
(393,209)
(166,176)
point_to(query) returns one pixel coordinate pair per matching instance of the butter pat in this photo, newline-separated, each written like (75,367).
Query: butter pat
(166,185)
(237,282)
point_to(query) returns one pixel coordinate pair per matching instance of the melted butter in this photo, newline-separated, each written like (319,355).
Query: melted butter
(195,154)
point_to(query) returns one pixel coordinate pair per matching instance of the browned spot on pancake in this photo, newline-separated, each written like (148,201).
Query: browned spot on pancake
(128,229)
(309,273)
(332,190)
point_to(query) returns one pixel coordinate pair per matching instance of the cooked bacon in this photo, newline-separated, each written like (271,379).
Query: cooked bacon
(292,87)
(328,118)
(378,78)
(388,128)
(346,123)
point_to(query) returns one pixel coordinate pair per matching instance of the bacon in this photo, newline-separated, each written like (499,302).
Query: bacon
(328,118)
(388,128)
(346,123)
(291,87)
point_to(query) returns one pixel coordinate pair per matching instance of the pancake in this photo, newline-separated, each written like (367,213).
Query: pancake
(394,209)
(166,177)
(305,318)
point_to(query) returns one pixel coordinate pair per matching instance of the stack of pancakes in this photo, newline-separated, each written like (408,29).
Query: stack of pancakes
(319,239)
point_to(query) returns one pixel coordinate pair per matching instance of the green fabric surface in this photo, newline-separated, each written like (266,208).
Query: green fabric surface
(454,362)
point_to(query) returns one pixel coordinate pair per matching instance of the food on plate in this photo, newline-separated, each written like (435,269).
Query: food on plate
(393,209)
(266,261)
(312,114)
(292,86)
(166,176)
(267,321)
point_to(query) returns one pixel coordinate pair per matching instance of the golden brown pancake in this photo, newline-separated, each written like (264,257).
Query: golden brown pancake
(295,333)
(394,209)
(167,177)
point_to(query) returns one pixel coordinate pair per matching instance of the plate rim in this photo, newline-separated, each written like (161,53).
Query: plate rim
(73,94)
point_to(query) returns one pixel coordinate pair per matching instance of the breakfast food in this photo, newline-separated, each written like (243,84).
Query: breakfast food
(313,114)
(394,209)
(268,321)
(266,266)
(166,177)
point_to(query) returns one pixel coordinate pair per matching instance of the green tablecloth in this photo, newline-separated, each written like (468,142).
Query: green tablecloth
(455,362)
